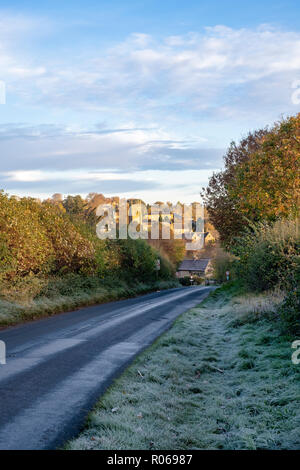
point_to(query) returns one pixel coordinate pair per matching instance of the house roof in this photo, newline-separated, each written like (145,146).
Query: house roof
(194,265)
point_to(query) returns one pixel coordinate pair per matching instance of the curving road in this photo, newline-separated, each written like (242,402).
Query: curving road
(58,367)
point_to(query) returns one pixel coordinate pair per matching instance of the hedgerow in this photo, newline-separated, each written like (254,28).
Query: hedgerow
(45,249)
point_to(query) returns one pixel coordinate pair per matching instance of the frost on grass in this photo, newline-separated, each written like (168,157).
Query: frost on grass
(214,381)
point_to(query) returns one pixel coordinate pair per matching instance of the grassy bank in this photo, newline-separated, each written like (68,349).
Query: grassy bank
(221,378)
(37,297)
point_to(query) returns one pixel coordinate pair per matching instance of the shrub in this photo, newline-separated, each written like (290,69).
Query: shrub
(137,259)
(290,311)
(167,270)
(24,245)
(222,262)
(45,251)
(269,255)
(73,252)
(185,281)
(198,280)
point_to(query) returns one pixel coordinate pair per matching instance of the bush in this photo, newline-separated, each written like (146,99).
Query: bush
(185,281)
(24,245)
(198,280)
(270,259)
(167,270)
(137,259)
(48,253)
(290,311)
(270,256)
(39,238)
(222,262)
(73,252)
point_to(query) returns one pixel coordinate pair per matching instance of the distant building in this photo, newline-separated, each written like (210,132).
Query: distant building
(196,267)
(209,238)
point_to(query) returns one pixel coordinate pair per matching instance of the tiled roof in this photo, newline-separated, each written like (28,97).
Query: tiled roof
(193,265)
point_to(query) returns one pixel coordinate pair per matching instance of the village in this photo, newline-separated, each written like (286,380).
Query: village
(185,224)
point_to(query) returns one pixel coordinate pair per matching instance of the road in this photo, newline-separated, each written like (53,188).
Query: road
(57,368)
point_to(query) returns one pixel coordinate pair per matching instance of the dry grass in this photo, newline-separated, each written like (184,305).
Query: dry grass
(252,307)
(282,230)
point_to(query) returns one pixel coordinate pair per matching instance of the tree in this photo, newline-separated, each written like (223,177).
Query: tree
(57,197)
(79,210)
(268,184)
(260,180)
(75,205)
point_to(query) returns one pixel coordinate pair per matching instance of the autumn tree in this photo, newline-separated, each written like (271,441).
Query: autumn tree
(268,184)
(80,210)
(260,180)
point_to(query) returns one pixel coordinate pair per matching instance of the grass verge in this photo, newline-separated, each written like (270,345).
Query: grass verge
(221,378)
(42,298)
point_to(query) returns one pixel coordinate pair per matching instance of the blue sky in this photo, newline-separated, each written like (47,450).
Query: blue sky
(138,98)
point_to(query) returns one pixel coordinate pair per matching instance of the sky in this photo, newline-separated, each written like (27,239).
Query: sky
(138,98)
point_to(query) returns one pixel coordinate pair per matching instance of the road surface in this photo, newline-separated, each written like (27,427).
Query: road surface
(56,368)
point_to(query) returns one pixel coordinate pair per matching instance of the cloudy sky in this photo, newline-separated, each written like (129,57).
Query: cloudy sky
(138,98)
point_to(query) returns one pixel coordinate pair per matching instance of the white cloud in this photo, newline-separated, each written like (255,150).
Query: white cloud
(194,71)
(15,31)
(150,185)
(55,148)
(161,100)
(24,176)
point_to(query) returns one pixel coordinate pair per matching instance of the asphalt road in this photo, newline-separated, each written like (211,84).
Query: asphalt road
(57,368)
